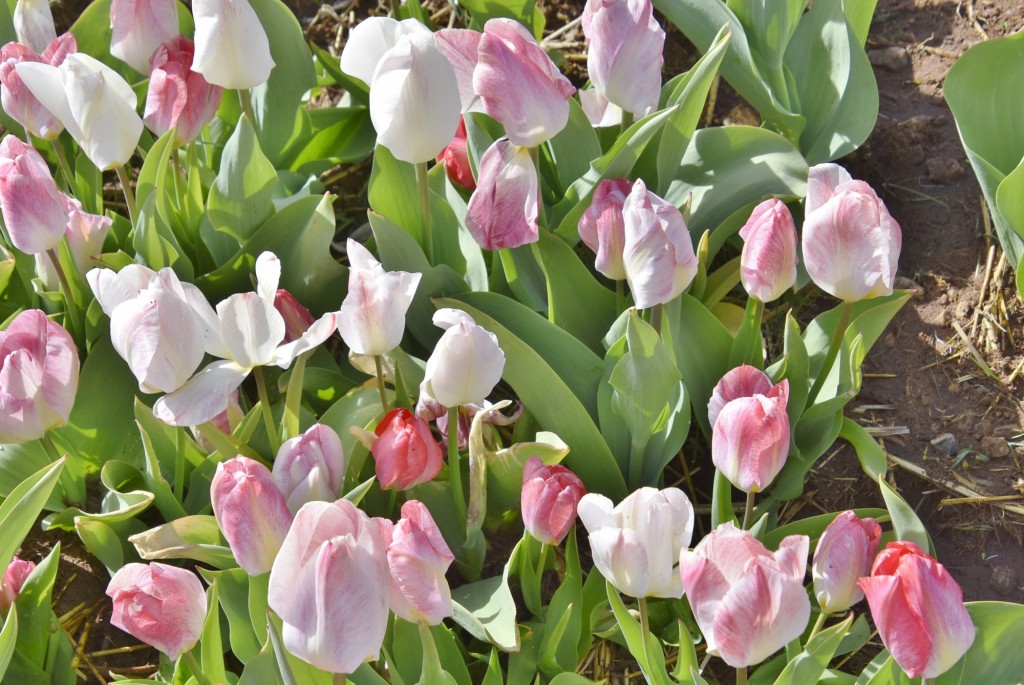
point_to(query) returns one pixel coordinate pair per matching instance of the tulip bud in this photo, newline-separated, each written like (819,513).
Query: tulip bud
(232,49)
(34,210)
(455,159)
(624,58)
(310,467)
(405,452)
(85,234)
(549,500)
(603,229)
(297,319)
(768,261)
(177,96)
(466,363)
(161,605)
(33,24)
(918,609)
(139,27)
(502,211)
(18,101)
(38,377)
(14,577)
(418,558)
(843,555)
(251,512)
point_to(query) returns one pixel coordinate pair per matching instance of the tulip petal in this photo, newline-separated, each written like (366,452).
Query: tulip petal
(502,211)
(201,398)
(369,40)
(47,85)
(232,49)
(461,48)
(251,328)
(320,331)
(742,381)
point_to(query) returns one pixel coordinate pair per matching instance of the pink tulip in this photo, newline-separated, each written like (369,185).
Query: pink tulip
(310,467)
(251,512)
(844,553)
(537,108)
(330,585)
(455,159)
(502,211)
(625,55)
(742,381)
(749,602)
(658,253)
(918,609)
(139,27)
(33,209)
(85,234)
(177,96)
(18,101)
(418,558)
(603,228)
(14,577)
(768,262)
(297,319)
(38,377)
(33,24)
(851,244)
(405,452)
(164,606)
(549,499)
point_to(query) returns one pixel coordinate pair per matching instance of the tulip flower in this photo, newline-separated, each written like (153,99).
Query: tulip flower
(418,557)
(657,253)
(297,319)
(749,602)
(750,436)
(177,96)
(768,261)
(851,244)
(232,49)
(372,316)
(624,58)
(251,512)
(549,500)
(467,361)
(502,211)
(33,24)
(38,377)
(742,381)
(636,543)
(96,106)
(164,606)
(245,332)
(85,234)
(603,228)
(843,555)
(14,577)
(310,467)
(405,452)
(918,609)
(455,159)
(370,39)
(18,101)
(34,210)
(139,27)
(462,48)
(153,323)
(330,585)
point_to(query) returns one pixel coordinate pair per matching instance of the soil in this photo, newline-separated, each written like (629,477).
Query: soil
(941,388)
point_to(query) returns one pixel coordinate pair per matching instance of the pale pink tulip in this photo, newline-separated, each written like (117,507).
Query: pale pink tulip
(851,243)
(462,48)
(466,363)
(418,558)
(139,27)
(38,377)
(34,210)
(330,585)
(372,316)
(502,211)
(297,319)
(603,228)
(177,96)
(624,57)
(768,261)
(33,24)
(455,158)
(164,606)
(14,577)
(370,40)
(549,500)
(85,234)
(18,101)
(843,555)
(918,609)
(232,49)
(636,544)
(749,602)
(742,381)
(310,467)
(405,452)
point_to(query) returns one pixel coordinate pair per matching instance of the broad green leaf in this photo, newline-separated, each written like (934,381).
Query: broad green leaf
(575,146)
(859,14)
(701,346)
(8,638)
(339,135)
(19,462)
(211,649)
(565,624)
(869,452)
(37,625)
(103,542)
(487,611)
(361,408)
(393,192)
(359,91)
(808,666)
(154,168)
(814,526)
(995,656)
(769,27)
(233,592)
(22,506)
(523,11)
(904,519)
(241,196)
(125,498)
(165,501)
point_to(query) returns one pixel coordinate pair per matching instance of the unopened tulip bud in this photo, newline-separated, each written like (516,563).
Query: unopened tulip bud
(310,467)
(33,24)
(466,363)
(405,452)
(232,49)
(768,261)
(843,555)
(85,234)
(178,97)
(14,577)
(297,319)
(139,27)
(603,229)
(750,438)
(34,210)
(370,40)
(455,159)
(502,211)
(549,500)
(624,57)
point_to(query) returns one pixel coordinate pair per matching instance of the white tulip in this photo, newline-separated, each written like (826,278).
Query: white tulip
(232,49)
(466,363)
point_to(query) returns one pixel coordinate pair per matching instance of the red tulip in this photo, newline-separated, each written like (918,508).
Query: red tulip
(177,96)
(844,553)
(549,500)
(405,452)
(297,319)
(768,261)
(455,159)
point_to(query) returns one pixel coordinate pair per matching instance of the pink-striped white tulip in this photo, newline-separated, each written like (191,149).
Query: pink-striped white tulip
(38,377)
(372,316)
(537,108)
(177,96)
(405,452)
(14,577)
(742,381)
(851,243)
(139,27)
(251,512)
(310,467)
(549,500)
(330,585)
(466,363)
(502,211)
(658,253)
(749,602)
(918,609)
(164,606)
(232,49)
(418,558)
(768,261)
(85,234)
(603,228)
(18,101)
(843,555)
(624,58)
(33,24)
(33,208)
(370,39)
(462,48)
(636,544)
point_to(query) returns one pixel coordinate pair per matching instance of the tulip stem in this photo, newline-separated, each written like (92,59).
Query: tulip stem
(741,676)
(748,511)
(423,188)
(196,669)
(645,630)
(268,418)
(380,382)
(245,100)
(65,287)
(454,470)
(656,318)
(818,624)
(179,465)
(126,188)
(620,296)
(339,679)
(65,168)
(845,313)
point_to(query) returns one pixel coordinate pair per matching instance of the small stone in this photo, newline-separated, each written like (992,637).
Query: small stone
(892,58)
(945,444)
(890,340)
(994,447)
(944,170)
(1005,580)
(953,388)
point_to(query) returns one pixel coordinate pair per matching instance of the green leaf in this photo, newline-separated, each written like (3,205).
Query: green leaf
(650,657)
(170,508)
(814,526)
(124,499)
(392,192)
(189,537)
(241,196)
(701,345)
(487,611)
(20,509)
(359,91)
(155,243)
(808,666)
(211,649)
(37,625)
(8,638)
(359,407)
(575,146)
(904,519)
(769,25)
(869,452)
(564,625)
(232,592)
(859,15)
(103,542)
(339,135)
(995,656)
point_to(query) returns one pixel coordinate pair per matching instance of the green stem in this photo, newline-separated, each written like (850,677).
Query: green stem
(65,167)
(126,188)
(454,469)
(268,418)
(339,679)
(179,465)
(423,191)
(636,465)
(656,318)
(845,313)
(380,382)
(748,511)
(196,669)
(535,248)
(741,676)
(246,102)
(65,287)
(818,624)
(627,121)
(620,296)
(645,631)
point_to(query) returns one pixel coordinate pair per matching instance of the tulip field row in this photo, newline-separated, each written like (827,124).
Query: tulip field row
(445,458)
